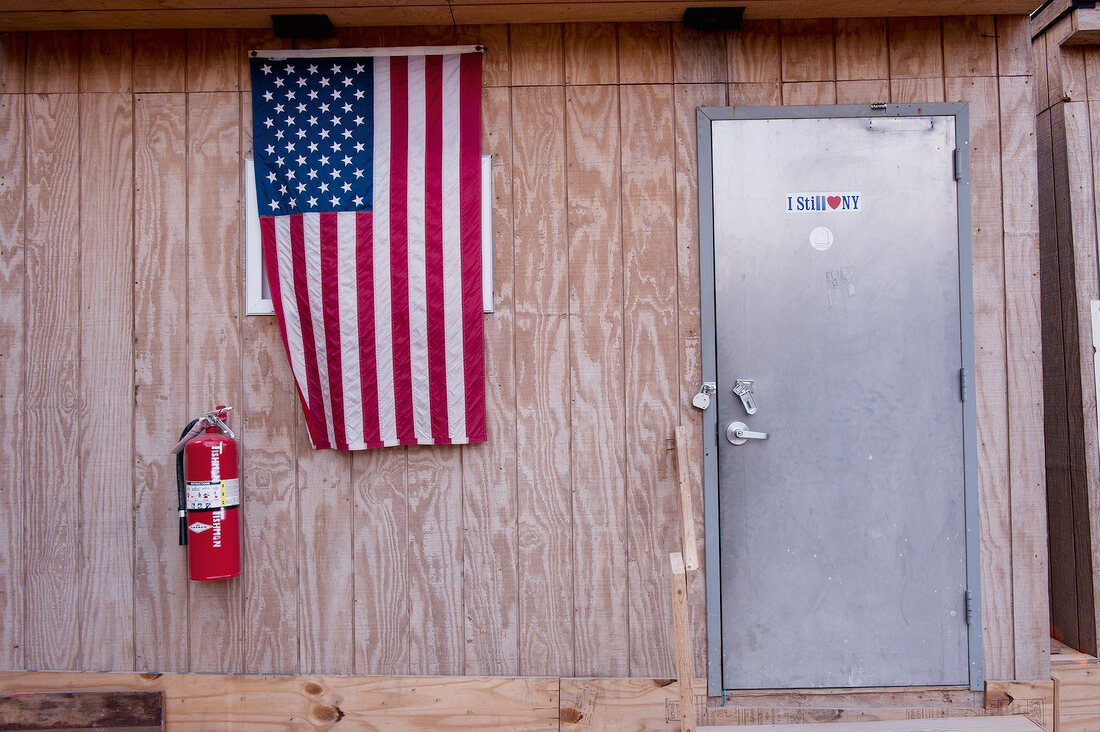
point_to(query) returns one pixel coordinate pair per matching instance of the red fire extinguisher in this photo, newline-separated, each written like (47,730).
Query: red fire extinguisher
(210,498)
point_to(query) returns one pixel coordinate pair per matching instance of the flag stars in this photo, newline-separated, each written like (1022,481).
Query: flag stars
(359,68)
(268,96)
(359,120)
(301,134)
(348,81)
(358,200)
(289,69)
(336,147)
(269,123)
(336,68)
(359,147)
(323,134)
(312,94)
(335,201)
(324,159)
(358,173)
(312,121)
(312,68)
(269,150)
(324,187)
(359,93)
(278,134)
(324,81)
(290,94)
(346,134)
(346,187)
(312,201)
(279,109)
(347,160)
(324,108)
(266,68)
(278,82)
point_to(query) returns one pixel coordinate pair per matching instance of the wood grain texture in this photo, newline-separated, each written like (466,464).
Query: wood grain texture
(698,57)
(212,59)
(1014,56)
(1031,603)
(916,49)
(596,363)
(496,64)
(490,502)
(436,627)
(650,339)
(106,61)
(987,241)
(970,45)
(761,93)
(537,55)
(808,49)
(266,432)
(543,443)
(106,379)
(809,92)
(1076,691)
(326,572)
(52,505)
(53,62)
(861,51)
(261,39)
(13,331)
(381,561)
(1053,69)
(687,99)
(160,61)
(862,92)
(213,333)
(591,53)
(916,91)
(13,62)
(682,632)
(160,378)
(1039,60)
(138,710)
(1072,72)
(645,53)
(753,54)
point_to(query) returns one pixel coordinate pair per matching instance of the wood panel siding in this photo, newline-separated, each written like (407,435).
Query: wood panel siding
(540,553)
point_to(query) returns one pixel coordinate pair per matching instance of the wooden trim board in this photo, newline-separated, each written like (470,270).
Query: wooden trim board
(1015,723)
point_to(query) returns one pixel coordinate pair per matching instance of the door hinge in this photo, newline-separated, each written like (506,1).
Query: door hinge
(963,386)
(969,607)
(958,164)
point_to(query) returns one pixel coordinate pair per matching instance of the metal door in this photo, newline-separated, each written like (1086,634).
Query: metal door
(842,335)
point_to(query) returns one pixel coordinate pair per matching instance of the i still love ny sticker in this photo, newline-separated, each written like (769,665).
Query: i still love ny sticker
(840,202)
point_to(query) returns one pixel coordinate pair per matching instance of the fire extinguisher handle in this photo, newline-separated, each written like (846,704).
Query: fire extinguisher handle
(181,486)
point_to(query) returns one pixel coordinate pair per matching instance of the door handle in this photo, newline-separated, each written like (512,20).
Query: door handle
(738,433)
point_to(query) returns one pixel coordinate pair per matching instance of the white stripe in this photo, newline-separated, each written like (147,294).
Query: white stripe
(311,223)
(418,299)
(452,252)
(383,321)
(349,327)
(291,321)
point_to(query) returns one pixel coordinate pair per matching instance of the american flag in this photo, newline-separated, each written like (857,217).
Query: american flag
(369,195)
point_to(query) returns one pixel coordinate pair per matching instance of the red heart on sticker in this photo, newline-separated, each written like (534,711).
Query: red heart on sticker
(834,201)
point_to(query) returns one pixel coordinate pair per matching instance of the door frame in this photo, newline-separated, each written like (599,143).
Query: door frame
(705,117)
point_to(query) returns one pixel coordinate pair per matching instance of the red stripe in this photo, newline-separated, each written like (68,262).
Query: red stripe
(315,411)
(271,259)
(399,244)
(368,359)
(470,201)
(330,304)
(433,245)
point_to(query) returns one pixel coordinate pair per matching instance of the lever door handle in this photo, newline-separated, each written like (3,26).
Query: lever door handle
(738,433)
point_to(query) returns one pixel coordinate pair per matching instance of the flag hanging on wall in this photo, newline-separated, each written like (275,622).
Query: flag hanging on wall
(369,195)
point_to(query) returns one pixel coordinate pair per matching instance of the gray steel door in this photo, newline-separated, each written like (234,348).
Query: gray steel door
(837,294)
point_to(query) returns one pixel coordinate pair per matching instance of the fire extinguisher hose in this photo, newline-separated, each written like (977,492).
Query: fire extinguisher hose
(181,486)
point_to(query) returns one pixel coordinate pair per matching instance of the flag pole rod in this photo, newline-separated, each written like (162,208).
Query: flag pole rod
(281,53)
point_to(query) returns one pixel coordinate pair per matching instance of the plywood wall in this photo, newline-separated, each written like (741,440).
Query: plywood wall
(541,552)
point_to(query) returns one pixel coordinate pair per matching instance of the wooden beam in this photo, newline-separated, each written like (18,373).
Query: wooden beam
(687,511)
(682,632)
(133,710)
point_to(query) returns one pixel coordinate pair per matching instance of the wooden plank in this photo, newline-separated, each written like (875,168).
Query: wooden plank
(260,39)
(992,379)
(212,59)
(687,508)
(1053,53)
(753,54)
(436,643)
(217,703)
(381,561)
(970,45)
(1034,699)
(542,383)
(52,507)
(682,633)
(1030,604)
(1077,699)
(13,330)
(1014,53)
(537,55)
(596,375)
(916,50)
(53,62)
(496,64)
(160,61)
(1013,723)
(591,52)
(106,61)
(266,440)
(1073,74)
(13,62)
(861,51)
(106,378)
(1042,81)
(490,503)
(698,57)
(810,92)
(160,377)
(862,92)
(917,91)
(650,335)
(762,93)
(326,572)
(83,710)
(808,49)
(687,99)
(213,332)
(645,53)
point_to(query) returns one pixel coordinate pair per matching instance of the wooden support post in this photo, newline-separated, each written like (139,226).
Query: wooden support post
(687,514)
(683,641)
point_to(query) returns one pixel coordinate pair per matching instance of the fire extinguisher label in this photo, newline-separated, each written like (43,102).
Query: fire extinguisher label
(203,495)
